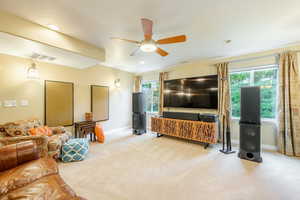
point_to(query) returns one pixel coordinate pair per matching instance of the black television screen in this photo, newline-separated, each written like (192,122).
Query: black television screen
(199,92)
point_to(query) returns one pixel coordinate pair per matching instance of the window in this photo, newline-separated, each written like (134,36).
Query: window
(266,79)
(151,91)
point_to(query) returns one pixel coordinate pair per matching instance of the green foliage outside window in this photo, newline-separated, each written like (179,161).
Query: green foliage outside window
(266,79)
(238,80)
(151,91)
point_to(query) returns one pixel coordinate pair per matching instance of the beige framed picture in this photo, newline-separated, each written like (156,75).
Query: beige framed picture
(59,103)
(100,102)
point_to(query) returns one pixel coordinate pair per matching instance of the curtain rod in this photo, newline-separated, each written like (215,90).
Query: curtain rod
(257,57)
(253,58)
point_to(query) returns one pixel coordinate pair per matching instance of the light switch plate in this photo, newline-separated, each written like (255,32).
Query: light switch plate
(10,103)
(14,103)
(6,103)
(24,102)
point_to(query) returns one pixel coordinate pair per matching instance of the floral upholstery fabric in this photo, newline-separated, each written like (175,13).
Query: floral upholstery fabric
(21,129)
(2,135)
(55,143)
(58,130)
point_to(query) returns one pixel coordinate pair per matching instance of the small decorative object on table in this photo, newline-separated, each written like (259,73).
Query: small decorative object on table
(89,116)
(75,150)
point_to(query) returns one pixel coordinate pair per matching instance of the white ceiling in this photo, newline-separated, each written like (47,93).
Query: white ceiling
(251,25)
(17,46)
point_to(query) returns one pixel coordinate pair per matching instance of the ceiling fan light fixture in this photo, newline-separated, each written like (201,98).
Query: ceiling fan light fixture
(148,46)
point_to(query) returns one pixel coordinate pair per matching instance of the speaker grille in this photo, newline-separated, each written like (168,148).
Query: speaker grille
(250,105)
(181,115)
(138,102)
(250,137)
(139,121)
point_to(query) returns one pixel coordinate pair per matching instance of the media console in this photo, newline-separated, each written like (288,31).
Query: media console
(192,126)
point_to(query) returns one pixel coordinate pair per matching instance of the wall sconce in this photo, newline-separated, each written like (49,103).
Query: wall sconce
(118,83)
(32,72)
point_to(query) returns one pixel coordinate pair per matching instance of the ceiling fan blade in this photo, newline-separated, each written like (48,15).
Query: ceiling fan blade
(121,39)
(161,52)
(170,40)
(147,28)
(134,52)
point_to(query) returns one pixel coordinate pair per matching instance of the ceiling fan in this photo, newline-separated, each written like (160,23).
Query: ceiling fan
(150,45)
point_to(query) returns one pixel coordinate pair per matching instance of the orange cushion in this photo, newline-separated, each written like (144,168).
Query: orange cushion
(41,131)
(99,133)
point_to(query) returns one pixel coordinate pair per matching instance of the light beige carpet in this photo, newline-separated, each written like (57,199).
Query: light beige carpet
(149,168)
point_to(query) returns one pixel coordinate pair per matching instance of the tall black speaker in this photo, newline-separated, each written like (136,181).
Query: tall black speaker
(139,113)
(138,102)
(250,105)
(138,121)
(250,136)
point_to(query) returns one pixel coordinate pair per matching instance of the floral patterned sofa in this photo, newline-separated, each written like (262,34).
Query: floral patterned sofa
(19,131)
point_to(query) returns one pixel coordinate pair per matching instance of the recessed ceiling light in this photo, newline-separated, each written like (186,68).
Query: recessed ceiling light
(53,27)
(142,62)
(227,41)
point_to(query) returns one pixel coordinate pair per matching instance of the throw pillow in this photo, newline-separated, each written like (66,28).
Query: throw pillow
(15,132)
(40,131)
(58,130)
(2,131)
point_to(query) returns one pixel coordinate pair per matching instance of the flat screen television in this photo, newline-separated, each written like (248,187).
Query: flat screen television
(197,92)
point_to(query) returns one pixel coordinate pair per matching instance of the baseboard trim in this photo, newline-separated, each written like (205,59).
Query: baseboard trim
(118,129)
(234,142)
(267,147)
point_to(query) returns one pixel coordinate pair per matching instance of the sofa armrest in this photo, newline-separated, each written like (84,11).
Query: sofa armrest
(40,141)
(16,154)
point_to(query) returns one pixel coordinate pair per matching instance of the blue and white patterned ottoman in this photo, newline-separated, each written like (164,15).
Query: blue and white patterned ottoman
(75,150)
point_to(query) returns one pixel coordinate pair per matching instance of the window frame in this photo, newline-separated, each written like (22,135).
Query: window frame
(253,69)
(152,96)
